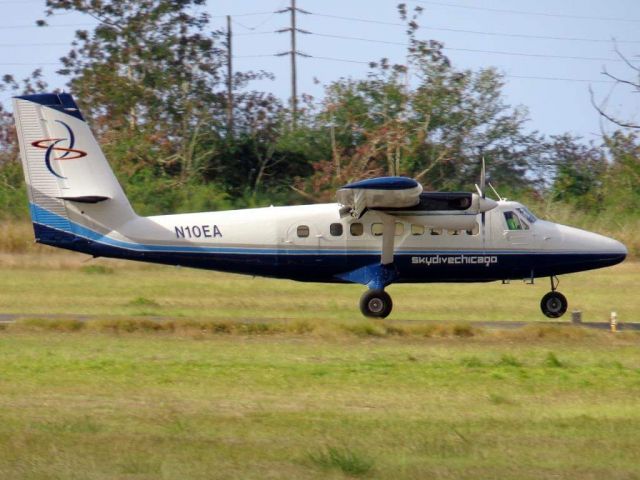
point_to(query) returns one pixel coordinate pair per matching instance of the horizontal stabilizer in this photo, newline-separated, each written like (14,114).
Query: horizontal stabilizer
(86,199)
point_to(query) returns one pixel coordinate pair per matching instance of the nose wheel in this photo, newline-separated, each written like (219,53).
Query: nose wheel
(554,304)
(376,304)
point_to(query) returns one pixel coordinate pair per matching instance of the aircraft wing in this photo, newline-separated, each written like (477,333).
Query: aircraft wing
(391,198)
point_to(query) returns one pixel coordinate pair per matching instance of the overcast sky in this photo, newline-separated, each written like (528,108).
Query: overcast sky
(550,50)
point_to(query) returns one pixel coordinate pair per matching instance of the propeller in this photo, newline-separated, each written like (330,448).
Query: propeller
(483,194)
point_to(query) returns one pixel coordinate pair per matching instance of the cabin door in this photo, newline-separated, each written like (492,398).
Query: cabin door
(517,231)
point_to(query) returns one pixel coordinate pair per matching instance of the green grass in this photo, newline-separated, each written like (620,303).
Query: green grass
(66,284)
(252,378)
(92,405)
(344,459)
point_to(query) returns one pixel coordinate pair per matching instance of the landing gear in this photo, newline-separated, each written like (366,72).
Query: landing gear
(554,304)
(375,303)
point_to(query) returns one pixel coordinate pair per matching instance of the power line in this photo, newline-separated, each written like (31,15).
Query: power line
(250,14)
(246,34)
(505,75)
(61,25)
(494,52)
(344,60)
(527,12)
(259,55)
(474,32)
(261,23)
(356,19)
(524,35)
(14,45)
(344,37)
(534,55)
(560,79)
(22,64)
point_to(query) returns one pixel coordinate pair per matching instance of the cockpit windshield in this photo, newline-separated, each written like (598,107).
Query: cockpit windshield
(527,214)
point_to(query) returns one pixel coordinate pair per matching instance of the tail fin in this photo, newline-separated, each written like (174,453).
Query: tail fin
(70,184)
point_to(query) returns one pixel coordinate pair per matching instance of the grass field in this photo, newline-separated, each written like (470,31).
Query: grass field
(54,283)
(305,388)
(98,406)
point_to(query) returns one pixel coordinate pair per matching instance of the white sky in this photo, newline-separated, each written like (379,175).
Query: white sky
(555,106)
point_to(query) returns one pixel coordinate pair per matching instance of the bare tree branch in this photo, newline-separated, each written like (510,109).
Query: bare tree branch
(621,80)
(607,116)
(624,58)
(601,108)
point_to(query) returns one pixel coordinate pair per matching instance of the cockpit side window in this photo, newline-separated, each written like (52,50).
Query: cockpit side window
(513,222)
(527,214)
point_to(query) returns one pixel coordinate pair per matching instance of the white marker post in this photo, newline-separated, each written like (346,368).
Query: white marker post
(613,321)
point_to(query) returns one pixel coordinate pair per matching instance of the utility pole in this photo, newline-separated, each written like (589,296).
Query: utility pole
(294,79)
(293,52)
(229,81)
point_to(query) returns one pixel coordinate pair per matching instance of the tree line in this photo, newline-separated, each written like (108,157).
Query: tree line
(151,80)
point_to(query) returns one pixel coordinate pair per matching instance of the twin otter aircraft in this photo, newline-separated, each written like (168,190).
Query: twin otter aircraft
(381,231)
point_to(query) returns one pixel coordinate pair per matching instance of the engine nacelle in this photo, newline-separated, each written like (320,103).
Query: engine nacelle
(378,193)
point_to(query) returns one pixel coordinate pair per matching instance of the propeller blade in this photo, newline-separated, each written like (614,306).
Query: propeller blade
(483,179)
(482,220)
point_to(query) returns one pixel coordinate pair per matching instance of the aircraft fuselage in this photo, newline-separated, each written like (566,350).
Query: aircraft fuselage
(312,243)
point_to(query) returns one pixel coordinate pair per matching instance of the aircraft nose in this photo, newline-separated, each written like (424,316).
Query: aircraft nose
(616,251)
(620,248)
(593,243)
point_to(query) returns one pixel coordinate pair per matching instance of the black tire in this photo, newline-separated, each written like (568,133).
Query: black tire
(554,304)
(376,304)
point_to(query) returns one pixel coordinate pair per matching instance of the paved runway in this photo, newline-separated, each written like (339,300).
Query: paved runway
(505,325)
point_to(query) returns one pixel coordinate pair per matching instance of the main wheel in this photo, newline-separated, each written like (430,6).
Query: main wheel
(376,303)
(554,304)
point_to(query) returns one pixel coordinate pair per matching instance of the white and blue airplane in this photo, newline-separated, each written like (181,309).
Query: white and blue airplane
(380,231)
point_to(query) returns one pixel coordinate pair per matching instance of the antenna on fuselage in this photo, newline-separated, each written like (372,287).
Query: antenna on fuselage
(497,194)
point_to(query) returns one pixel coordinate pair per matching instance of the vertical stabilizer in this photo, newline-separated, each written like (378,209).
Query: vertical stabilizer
(69,181)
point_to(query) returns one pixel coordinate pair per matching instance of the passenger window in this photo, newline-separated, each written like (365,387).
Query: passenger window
(303,231)
(378,228)
(513,222)
(356,229)
(436,231)
(335,229)
(417,229)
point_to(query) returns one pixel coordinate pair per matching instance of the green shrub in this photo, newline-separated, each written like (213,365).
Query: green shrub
(343,459)
(552,361)
(96,269)
(50,324)
(143,302)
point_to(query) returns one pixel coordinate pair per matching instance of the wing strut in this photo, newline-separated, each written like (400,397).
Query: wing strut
(388,237)
(376,275)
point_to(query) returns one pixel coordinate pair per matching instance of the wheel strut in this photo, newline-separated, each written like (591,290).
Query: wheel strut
(554,304)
